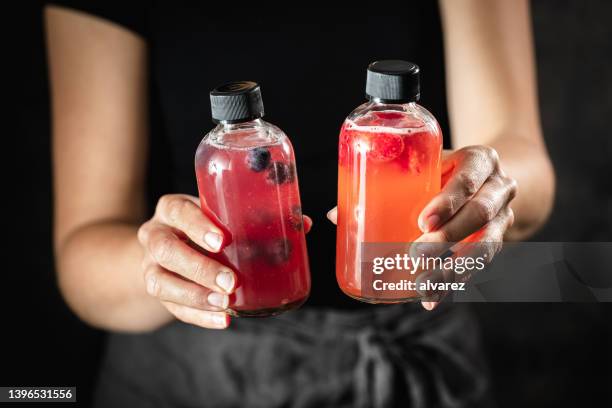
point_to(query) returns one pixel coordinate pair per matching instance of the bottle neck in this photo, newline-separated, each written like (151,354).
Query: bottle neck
(377,104)
(252,133)
(380,101)
(247,124)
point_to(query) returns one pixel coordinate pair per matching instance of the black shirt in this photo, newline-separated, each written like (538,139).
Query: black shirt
(311,68)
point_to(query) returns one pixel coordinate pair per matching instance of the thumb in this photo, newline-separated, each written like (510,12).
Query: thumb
(332,215)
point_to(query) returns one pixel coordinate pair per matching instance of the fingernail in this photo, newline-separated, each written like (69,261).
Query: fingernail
(329,215)
(431,223)
(428,305)
(151,283)
(219,320)
(218,300)
(225,280)
(213,240)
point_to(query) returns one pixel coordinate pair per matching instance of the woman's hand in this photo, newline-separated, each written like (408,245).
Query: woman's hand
(473,203)
(192,286)
(475,197)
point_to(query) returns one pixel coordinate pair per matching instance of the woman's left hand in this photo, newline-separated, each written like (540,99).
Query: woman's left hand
(475,197)
(473,203)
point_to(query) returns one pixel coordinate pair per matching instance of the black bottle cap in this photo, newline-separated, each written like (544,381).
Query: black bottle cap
(393,81)
(237,101)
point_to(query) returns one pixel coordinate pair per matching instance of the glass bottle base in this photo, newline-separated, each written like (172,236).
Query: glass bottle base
(269,311)
(377,301)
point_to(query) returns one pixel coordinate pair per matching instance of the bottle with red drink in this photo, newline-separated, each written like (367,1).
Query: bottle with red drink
(389,168)
(248,185)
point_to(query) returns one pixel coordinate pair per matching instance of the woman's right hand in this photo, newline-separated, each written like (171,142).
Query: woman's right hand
(193,287)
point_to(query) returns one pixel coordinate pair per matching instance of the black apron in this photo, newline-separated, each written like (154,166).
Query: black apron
(386,356)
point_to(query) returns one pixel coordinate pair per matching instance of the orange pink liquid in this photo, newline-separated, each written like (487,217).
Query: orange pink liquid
(388,170)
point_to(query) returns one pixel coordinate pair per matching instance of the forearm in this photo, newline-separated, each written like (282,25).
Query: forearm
(492,98)
(99,274)
(527,162)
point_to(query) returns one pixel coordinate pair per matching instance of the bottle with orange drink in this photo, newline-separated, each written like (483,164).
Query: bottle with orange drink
(389,167)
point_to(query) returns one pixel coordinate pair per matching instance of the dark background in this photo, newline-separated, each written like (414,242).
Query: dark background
(544,355)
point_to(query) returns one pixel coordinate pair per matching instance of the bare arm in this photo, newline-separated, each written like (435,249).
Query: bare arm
(99,94)
(492,98)
(115,270)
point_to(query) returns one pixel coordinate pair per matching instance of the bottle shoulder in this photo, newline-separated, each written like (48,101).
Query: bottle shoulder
(247,135)
(386,115)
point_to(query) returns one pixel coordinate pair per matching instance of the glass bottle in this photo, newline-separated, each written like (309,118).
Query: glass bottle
(389,167)
(248,186)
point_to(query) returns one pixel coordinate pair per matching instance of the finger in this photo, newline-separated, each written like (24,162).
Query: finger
(488,244)
(307,223)
(177,256)
(471,168)
(147,260)
(431,298)
(205,319)
(167,286)
(430,283)
(479,211)
(495,230)
(183,213)
(332,215)
(484,244)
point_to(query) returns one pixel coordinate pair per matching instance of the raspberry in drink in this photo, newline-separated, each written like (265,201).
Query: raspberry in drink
(389,168)
(248,185)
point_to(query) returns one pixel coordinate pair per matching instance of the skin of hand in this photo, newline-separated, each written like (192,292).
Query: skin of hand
(192,286)
(475,198)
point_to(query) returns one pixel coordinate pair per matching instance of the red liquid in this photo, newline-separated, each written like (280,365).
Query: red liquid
(261,212)
(388,170)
